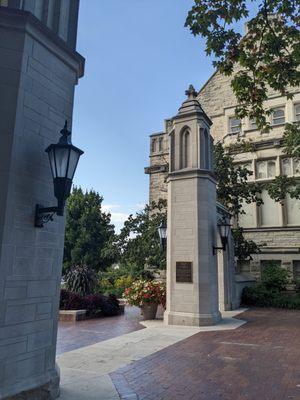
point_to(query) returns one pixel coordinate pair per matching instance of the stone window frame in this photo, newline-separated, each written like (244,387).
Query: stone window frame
(160,144)
(153,145)
(281,208)
(231,128)
(296,269)
(292,166)
(205,153)
(285,215)
(185,148)
(296,112)
(252,126)
(274,120)
(243,163)
(259,209)
(280,215)
(267,159)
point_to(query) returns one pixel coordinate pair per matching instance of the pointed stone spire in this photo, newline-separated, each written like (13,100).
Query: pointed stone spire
(191,105)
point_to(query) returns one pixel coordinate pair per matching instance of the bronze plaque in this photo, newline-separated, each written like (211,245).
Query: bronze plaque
(184,272)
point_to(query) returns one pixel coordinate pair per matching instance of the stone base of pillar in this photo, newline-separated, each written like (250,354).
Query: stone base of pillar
(47,391)
(191,319)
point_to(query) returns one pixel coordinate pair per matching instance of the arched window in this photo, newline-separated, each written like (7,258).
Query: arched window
(207,149)
(204,149)
(172,151)
(153,145)
(160,144)
(185,147)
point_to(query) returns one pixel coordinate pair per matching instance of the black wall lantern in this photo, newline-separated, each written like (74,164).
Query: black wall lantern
(63,157)
(162,231)
(223,229)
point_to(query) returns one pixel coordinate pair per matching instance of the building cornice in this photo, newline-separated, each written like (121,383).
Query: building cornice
(24,21)
(158,134)
(191,174)
(154,169)
(273,229)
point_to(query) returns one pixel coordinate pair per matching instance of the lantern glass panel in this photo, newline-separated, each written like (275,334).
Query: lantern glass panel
(224,229)
(52,162)
(61,158)
(162,230)
(73,161)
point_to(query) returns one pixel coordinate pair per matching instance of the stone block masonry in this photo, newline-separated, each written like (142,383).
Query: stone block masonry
(38,73)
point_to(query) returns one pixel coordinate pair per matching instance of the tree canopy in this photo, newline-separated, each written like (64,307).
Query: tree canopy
(234,189)
(89,232)
(266,57)
(233,186)
(138,241)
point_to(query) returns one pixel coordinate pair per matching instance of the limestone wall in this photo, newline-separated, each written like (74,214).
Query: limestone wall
(37,79)
(61,16)
(159,167)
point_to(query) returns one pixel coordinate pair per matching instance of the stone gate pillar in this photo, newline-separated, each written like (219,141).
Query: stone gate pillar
(192,286)
(226,267)
(39,69)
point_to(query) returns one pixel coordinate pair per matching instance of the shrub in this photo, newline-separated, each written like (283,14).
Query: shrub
(283,300)
(274,277)
(105,286)
(94,304)
(260,296)
(257,296)
(115,281)
(71,301)
(80,279)
(297,285)
(270,292)
(109,306)
(121,284)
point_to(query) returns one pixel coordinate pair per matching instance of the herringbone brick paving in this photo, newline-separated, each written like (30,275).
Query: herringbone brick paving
(258,361)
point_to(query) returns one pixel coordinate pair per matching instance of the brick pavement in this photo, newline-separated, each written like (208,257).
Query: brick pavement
(258,361)
(74,335)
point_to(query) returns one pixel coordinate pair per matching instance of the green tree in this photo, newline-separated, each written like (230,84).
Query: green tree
(138,241)
(233,186)
(243,248)
(267,57)
(234,189)
(89,233)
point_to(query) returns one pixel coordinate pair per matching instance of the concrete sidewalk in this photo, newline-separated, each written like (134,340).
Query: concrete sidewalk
(84,372)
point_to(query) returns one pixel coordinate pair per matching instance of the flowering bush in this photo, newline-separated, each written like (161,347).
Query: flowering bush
(141,292)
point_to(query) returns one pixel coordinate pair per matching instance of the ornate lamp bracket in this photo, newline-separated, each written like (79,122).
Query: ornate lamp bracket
(43,215)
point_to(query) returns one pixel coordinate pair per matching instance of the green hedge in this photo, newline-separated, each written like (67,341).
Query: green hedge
(271,291)
(259,296)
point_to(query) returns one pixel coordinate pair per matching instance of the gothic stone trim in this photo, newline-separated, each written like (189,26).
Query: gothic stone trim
(25,21)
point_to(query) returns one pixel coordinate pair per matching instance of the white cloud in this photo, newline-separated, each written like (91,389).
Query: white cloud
(118,216)
(110,207)
(120,213)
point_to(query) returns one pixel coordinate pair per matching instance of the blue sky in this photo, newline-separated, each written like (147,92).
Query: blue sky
(139,61)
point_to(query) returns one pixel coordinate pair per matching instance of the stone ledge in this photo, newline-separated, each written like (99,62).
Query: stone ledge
(72,315)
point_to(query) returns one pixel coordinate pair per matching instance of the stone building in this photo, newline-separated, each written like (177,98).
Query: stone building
(275,226)
(39,68)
